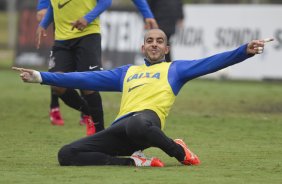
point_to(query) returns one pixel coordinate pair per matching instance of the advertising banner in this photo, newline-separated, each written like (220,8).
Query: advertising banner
(210,29)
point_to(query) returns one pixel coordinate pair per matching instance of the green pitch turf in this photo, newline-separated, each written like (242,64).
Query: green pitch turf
(234,127)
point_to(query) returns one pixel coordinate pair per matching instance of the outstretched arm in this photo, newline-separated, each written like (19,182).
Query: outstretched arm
(107,80)
(182,71)
(197,68)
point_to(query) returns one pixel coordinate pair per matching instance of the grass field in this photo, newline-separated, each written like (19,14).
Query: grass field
(234,127)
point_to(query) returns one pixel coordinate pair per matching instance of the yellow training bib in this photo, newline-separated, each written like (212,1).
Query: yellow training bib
(147,87)
(67,11)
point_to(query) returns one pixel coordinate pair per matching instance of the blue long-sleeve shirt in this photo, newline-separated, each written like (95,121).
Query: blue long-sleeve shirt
(180,72)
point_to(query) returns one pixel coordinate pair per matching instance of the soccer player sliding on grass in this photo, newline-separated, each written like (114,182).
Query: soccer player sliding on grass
(148,92)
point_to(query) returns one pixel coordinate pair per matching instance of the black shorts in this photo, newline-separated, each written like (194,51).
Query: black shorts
(78,54)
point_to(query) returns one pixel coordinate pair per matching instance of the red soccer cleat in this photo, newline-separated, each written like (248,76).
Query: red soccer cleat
(55,117)
(90,127)
(141,161)
(190,158)
(155,162)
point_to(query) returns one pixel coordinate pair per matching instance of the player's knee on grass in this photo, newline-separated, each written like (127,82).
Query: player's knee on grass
(65,156)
